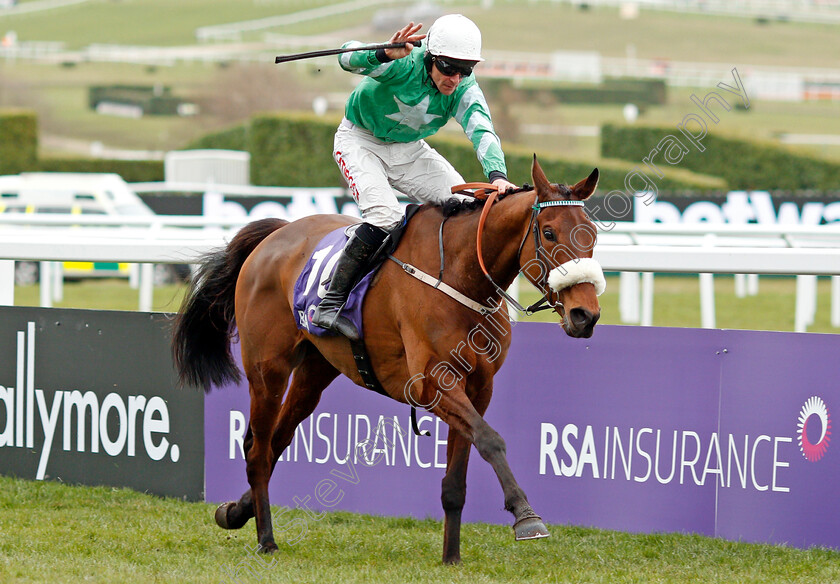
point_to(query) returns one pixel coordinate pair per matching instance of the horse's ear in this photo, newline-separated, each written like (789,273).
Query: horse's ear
(537,174)
(586,187)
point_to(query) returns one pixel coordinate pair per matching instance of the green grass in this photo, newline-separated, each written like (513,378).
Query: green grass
(676,302)
(527,26)
(547,26)
(59,533)
(108,294)
(60,96)
(141,22)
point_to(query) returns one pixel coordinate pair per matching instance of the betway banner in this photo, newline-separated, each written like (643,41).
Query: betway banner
(89,397)
(734,207)
(722,433)
(296,203)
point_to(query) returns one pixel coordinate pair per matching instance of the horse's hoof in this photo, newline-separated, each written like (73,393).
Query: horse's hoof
(268,548)
(222,515)
(530,528)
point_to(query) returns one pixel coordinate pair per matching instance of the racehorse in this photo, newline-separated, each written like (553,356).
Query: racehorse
(411,329)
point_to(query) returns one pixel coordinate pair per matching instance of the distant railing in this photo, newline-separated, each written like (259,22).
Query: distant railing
(31,50)
(824,11)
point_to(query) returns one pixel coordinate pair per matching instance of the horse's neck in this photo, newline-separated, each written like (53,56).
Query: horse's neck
(503,230)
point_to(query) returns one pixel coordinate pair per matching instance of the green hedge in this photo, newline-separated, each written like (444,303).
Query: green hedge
(19,153)
(641,92)
(296,150)
(518,160)
(154,100)
(743,164)
(235,138)
(130,94)
(129,170)
(292,150)
(18,141)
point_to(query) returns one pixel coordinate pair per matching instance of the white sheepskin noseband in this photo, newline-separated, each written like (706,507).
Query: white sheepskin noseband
(577,272)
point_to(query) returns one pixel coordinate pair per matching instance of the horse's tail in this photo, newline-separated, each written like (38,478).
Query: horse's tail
(203,326)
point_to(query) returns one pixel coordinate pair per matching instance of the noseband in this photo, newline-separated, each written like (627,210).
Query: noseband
(568,273)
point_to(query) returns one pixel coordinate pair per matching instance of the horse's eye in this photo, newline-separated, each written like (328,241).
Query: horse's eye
(549,235)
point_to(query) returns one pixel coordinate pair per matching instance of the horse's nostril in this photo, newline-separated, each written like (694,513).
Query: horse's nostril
(581,317)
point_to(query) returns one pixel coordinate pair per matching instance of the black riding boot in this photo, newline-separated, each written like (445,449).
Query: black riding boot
(359,250)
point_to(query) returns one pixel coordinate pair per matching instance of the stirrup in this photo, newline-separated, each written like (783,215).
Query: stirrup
(343,326)
(340,324)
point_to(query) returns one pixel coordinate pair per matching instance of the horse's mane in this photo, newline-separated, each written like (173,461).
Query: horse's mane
(455,206)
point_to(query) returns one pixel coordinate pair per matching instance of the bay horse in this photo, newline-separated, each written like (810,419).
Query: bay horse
(410,329)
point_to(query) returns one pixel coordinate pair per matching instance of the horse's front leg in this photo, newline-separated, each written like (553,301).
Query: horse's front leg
(454,493)
(527,524)
(455,409)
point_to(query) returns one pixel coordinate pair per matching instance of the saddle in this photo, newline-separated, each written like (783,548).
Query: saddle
(313,279)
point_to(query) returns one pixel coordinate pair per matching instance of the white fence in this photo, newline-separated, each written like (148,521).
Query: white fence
(773,249)
(629,248)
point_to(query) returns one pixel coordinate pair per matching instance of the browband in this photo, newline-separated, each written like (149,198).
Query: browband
(564,203)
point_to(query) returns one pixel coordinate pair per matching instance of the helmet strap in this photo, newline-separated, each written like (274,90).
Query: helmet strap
(428,63)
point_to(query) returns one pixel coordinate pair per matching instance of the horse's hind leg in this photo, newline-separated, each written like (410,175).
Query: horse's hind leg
(272,427)
(235,514)
(267,381)
(310,379)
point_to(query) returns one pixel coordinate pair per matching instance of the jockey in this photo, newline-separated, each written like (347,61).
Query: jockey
(407,94)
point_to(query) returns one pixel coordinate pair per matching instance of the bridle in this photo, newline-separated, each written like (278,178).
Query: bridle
(546,302)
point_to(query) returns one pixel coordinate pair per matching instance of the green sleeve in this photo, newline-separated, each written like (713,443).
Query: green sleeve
(474,116)
(365,63)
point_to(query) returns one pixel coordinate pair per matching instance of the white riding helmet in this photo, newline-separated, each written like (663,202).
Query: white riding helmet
(454,36)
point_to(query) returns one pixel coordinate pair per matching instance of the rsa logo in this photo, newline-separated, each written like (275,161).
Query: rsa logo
(814,429)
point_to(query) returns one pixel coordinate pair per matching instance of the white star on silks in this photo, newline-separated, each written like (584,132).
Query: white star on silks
(413,116)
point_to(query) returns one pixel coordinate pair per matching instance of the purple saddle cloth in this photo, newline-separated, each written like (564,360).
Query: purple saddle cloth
(312,283)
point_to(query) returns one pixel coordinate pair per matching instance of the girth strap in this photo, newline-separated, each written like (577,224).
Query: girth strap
(363,364)
(365,367)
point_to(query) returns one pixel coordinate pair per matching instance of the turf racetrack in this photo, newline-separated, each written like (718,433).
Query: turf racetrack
(51,532)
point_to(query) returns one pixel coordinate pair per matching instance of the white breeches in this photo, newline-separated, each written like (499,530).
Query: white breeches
(374,170)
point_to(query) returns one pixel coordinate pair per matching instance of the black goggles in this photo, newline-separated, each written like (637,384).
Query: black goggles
(449,67)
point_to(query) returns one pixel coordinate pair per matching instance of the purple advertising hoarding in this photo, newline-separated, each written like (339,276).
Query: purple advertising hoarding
(722,433)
